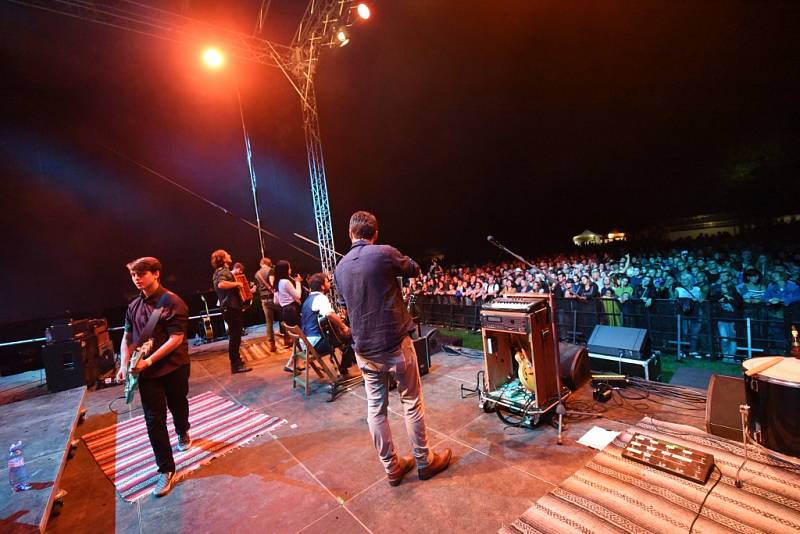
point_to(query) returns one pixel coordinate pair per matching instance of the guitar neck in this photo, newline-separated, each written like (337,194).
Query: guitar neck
(135,357)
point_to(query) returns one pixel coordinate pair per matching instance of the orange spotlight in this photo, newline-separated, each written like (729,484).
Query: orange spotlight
(213,58)
(363,11)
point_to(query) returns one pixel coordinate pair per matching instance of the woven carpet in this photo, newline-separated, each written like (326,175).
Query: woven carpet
(612,494)
(217,425)
(255,351)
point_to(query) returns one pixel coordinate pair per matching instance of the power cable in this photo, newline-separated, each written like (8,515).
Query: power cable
(204,199)
(702,504)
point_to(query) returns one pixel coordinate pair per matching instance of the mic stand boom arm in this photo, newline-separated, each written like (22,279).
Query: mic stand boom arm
(499,245)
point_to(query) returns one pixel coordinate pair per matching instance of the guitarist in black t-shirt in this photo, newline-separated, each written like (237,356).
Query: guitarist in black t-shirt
(164,373)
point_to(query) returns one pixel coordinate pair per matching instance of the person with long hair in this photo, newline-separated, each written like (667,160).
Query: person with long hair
(753,289)
(587,289)
(227,289)
(288,292)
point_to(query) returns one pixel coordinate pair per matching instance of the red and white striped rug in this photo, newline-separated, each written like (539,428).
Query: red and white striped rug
(217,426)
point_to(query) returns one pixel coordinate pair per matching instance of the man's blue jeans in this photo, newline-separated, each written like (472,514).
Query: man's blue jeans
(400,364)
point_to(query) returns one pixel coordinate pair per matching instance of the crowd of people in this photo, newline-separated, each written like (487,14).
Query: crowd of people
(724,283)
(730,278)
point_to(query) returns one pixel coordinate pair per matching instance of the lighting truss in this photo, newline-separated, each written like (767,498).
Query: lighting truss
(321,22)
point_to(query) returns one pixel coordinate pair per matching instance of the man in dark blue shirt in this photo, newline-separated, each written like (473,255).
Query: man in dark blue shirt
(366,279)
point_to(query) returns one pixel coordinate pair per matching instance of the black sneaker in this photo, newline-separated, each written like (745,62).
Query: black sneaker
(242,368)
(164,484)
(184,442)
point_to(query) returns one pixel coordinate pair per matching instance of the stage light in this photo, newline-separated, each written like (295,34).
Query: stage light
(342,37)
(213,58)
(363,11)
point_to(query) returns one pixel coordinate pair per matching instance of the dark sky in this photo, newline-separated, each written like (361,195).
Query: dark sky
(528,120)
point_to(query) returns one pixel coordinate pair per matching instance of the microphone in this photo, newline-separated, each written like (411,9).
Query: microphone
(491,239)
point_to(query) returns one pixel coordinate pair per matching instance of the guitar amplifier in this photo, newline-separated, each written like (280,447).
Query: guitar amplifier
(68,330)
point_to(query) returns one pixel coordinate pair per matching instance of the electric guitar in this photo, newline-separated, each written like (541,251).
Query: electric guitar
(131,378)
(209,330)
(526,374)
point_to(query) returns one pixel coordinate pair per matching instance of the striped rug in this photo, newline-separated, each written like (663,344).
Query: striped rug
(612,494)
(217,426)
(255,351)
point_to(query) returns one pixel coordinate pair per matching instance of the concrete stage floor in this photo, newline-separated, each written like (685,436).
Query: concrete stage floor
(320,473)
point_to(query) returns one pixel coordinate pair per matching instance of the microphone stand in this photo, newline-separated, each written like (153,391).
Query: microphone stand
(561,410)
(499,245)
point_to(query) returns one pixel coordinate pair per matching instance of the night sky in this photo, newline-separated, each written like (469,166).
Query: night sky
(528,120)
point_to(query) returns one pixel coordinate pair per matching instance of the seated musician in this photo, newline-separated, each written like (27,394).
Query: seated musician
(317,305)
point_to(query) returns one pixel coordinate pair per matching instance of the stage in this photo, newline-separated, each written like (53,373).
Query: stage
(318,472)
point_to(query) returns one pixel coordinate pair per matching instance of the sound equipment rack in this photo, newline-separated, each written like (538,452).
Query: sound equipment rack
(520,324)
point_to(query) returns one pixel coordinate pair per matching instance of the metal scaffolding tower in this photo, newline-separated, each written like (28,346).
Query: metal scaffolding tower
(319,28)
(322,21)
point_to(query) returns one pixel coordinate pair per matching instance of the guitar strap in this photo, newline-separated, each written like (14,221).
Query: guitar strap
(147,333)
(265,282)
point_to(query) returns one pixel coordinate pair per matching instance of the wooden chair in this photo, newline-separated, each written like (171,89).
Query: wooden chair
(305,352)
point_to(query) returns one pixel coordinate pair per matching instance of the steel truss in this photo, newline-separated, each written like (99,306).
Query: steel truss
(318,29)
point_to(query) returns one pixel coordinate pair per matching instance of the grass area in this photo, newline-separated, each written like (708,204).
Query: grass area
(473,340)
(669,365)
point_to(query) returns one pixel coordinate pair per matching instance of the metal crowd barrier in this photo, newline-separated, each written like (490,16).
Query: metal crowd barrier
(706,331)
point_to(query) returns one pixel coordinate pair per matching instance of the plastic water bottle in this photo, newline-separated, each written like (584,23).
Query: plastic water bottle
(17,472)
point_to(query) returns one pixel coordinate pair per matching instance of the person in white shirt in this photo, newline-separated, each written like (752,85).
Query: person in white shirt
(318,305)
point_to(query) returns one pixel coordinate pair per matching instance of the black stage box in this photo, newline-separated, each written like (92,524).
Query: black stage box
(649,369)
(70,364)
(725,395)
(423,358)
(631,343)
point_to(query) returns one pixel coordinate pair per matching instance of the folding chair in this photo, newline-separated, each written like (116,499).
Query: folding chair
(306,353)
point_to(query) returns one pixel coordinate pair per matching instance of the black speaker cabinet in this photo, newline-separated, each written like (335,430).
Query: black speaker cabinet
(620,341)
(725,394)
(573,365)
(70,364)
(423,356)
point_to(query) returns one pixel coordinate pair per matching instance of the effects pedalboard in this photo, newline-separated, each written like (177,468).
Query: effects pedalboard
(674,459)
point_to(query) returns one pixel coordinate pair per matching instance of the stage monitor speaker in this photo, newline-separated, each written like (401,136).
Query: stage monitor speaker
(70,364)
(725,395)
(574,365)
(620,341)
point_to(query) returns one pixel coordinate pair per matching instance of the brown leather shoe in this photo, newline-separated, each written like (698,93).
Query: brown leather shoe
(404,465)
(439,463)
